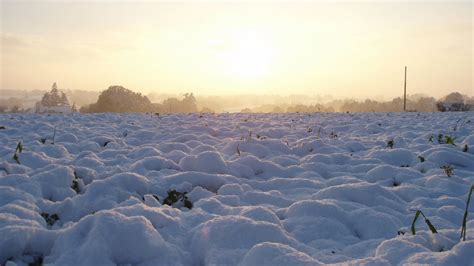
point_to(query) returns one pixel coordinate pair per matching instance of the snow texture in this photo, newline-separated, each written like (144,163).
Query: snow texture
(267,189)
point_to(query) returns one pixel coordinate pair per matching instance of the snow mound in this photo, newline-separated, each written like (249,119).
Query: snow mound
(110,238)
(207,162)
(210,240)
(269,253)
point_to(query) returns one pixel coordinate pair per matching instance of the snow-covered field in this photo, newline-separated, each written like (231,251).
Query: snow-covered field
(280,189)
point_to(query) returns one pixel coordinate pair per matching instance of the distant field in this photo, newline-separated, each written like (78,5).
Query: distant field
(249,189)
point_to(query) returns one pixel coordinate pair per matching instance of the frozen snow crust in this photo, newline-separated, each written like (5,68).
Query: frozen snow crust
(279,189)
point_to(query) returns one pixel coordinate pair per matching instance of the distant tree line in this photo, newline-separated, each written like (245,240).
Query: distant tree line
(423,104)
(451,102)
(118,99)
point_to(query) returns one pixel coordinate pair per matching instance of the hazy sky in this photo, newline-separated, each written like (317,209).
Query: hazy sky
(349,49)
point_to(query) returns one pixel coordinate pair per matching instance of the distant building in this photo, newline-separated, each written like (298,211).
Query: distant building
(65,109)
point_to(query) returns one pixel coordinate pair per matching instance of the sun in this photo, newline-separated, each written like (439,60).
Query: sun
(248,60)
(247,55)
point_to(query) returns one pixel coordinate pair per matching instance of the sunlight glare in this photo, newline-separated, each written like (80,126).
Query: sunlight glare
(248,55)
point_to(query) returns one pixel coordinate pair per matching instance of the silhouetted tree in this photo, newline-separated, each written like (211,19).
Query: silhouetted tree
(189,103)
(426,104)
(171,105)
(54,97)
(454,97)
(119,99)
(452,102)
(186,105)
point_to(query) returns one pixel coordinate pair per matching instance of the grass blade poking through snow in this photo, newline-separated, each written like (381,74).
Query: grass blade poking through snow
(464,219)
(54,135)
(430,225)
(19,149)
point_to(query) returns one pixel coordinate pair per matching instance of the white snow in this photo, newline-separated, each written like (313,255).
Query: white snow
(267,189)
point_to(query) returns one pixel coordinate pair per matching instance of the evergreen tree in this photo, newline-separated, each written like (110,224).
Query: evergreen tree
(54,97)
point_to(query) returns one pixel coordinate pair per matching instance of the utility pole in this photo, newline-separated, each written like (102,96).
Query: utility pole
(405,92)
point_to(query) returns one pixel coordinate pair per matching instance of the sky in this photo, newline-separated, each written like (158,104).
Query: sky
(342,48)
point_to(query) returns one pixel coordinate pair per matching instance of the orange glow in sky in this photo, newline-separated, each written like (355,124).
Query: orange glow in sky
(350,49)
